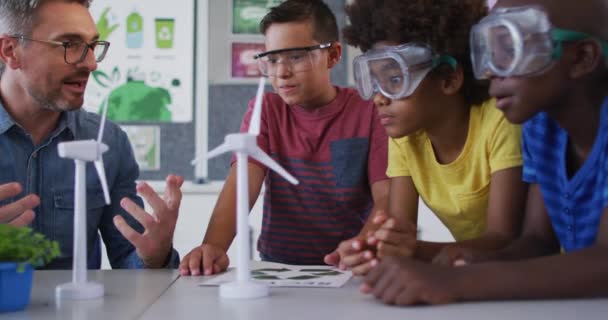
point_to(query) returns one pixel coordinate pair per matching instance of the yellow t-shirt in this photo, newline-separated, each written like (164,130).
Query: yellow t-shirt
(458,192)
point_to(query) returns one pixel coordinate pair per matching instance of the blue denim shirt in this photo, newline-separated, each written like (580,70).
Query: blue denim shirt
(41,171)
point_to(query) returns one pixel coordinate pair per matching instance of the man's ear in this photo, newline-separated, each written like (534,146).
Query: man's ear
(8,52)
(335,54)
(452,78)
(586,56)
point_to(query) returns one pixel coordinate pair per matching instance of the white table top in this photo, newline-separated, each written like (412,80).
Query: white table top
(185,299)
(127,295)
(155,294)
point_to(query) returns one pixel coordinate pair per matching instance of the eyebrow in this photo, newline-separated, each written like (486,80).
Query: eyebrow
(308,48)
(383,68)
(390,66)
(75,36)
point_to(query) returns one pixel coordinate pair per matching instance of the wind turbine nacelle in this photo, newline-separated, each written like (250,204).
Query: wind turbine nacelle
(85,150)
(241,141)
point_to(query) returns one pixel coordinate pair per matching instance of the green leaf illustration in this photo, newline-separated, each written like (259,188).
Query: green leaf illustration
(273,270)
(102,78)
(103,25)
(263,277)
(115,75)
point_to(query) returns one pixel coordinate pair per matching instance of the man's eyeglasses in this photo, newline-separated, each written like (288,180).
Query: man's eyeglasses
(75,51)
(294,59)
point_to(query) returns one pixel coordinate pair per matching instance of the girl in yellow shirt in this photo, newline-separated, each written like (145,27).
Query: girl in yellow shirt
(448,145)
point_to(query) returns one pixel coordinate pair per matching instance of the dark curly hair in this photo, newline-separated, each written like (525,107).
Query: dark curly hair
(444,25)
(323,19)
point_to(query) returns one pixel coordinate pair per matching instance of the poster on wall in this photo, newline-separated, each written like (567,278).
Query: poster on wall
(247,14)
(244,64)
(145,142)
(147,75)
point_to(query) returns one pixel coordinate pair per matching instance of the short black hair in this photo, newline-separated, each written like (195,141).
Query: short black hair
(325,27)
(443,25)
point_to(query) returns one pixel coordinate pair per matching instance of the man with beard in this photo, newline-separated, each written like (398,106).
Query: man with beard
(46,60)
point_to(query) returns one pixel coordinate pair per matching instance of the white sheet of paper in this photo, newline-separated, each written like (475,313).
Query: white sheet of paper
(285,275)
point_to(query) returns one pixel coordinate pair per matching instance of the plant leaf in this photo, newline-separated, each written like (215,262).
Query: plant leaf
(102,78)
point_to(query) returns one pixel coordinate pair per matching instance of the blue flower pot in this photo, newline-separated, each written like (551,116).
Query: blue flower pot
(15,286)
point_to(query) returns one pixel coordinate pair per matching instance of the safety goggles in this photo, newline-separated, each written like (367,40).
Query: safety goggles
(293,59)
(518,41)
(395,71)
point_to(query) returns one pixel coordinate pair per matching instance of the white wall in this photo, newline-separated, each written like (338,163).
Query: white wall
(198,202)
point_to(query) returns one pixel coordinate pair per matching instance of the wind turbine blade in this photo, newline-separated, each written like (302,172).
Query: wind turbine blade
(195,161)
(104,114)
(254,124)
(222,148)
(262,157)
(101,173)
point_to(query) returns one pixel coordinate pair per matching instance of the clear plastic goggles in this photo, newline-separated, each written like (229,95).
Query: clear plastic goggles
(518,41)
(293,59)
(395,71)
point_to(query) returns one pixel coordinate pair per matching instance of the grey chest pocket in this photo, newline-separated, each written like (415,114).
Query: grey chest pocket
(349,161)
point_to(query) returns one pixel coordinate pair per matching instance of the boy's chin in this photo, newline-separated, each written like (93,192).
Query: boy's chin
(396,133)
(515,116)
(292,100)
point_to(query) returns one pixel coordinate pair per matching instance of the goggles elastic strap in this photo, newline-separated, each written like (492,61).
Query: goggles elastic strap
(444,59)
(563,35)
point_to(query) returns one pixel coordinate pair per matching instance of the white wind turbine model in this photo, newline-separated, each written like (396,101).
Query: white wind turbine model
(81,152)
(244,145)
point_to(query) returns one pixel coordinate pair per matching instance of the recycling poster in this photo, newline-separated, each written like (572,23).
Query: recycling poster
(147,75)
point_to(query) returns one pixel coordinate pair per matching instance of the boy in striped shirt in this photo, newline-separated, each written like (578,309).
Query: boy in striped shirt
(328,137)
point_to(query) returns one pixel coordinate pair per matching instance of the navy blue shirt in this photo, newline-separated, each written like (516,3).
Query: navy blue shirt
(575,204)
(41,171)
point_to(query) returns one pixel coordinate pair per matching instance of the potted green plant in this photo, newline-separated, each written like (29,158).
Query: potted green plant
(21,250)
